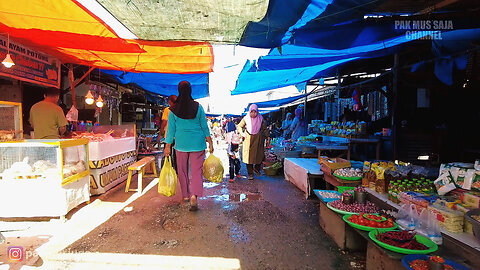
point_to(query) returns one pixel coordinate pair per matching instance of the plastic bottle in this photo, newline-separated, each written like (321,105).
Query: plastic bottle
(395,193)
(412,217)
(417,188)
(390,191)
(434,233)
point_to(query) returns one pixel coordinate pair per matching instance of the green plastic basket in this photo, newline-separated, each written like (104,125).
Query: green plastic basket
(432,247)
(341,211)
(366,228)
(348,178)
(341,189)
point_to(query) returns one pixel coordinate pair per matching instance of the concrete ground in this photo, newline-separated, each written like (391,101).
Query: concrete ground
(261,224)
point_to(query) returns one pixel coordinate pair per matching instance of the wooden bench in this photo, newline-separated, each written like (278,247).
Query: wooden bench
(140,167)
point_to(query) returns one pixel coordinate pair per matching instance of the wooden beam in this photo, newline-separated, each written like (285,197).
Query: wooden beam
(84,75)
(436,6)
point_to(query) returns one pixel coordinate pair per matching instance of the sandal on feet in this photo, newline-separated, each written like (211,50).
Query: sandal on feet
(250,177)
(193,203)
(186,199)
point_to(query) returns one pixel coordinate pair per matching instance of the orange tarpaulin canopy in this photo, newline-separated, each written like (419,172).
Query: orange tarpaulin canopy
(68,31)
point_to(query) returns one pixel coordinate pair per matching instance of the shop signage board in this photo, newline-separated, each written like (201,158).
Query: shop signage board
(30,65)
(109,161)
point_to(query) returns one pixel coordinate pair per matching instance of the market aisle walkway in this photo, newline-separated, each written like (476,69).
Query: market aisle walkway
(260,224)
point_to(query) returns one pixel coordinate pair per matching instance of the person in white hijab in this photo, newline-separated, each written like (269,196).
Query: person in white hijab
(255,131)
(286,125)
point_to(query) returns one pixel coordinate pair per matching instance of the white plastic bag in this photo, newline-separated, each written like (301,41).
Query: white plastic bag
(72,114)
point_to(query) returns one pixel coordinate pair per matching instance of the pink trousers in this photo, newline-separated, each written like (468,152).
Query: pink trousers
(189,186)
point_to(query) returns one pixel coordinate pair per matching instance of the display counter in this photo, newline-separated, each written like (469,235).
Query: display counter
(464,242)
(111,150)
(353,239)
(43,178)
(303,173)
(109,161)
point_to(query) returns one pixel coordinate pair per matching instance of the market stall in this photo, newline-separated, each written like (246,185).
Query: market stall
(43,178)
(111,150)
(11,126)
(304,173)
(400,211)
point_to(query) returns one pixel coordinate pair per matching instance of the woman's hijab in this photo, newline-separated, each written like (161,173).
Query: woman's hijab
(298,112)
(185,107)
(253,124)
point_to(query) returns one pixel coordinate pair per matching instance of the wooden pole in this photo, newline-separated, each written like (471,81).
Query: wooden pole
(394,106)
(305,112)
(337,94)
(71,78)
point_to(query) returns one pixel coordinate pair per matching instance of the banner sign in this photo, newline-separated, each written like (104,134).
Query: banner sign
(109,161)
(30,65)
(109,172)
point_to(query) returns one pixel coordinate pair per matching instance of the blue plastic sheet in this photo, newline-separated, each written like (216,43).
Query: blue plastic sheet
(162,83)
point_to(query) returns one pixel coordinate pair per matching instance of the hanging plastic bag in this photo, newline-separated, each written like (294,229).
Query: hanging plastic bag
(72,114)
(213,169)
(167,184)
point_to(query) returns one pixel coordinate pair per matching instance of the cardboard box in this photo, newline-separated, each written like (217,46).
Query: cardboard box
(328,165)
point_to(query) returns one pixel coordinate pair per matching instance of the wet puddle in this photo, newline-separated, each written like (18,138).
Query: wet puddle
(242,197)
(210,184)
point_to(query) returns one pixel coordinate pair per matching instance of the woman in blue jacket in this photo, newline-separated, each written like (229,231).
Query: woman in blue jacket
(187,124)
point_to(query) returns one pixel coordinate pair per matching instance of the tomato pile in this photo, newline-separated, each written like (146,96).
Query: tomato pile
(373,221)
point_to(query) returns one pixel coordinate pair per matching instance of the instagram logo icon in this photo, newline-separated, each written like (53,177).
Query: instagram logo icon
(15,253)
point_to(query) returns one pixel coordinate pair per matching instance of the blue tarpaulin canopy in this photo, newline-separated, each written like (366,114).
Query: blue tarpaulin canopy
(277,102)
(162,83)
(293,64)
(285,18)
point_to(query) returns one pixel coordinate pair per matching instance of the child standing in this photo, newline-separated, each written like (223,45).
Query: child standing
(234,156)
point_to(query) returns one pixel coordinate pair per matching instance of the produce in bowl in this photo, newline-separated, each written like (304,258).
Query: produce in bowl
(368,207)
(401,239)
(349,172)
(368,222)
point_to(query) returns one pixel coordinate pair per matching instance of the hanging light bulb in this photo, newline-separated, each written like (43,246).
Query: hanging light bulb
(8,62)
(99,101)
(89,98)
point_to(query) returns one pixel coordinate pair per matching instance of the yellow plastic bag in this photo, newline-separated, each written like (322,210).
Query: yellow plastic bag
(167,184)
(213,169)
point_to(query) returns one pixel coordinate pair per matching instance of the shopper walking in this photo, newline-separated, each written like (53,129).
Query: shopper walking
(187,123)
(234,156)
(230,128)
(254,129)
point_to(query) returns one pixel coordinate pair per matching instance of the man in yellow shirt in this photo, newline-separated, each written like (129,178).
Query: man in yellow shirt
(164,127)
(47,118)
(166,111)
